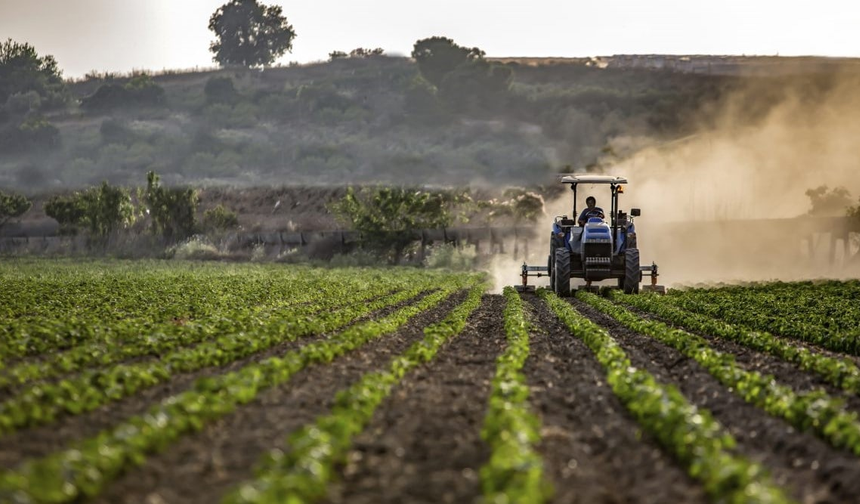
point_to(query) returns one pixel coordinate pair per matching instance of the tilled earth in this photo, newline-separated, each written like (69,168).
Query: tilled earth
(424,442)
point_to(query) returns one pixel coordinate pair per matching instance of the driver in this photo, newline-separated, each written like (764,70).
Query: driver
(590,211)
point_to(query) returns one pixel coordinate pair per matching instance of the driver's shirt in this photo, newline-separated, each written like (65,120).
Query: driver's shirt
(595,211)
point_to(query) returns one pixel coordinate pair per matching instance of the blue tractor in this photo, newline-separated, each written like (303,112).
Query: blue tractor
(594,247)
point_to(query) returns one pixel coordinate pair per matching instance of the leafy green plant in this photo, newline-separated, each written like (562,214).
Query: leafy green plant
(823,314)
(173,210)
(12,206)
(40,404)
(325,443)
(100,210)
(388,217)
(220,218)
(842,373)
(690,434)
(514,472)
(85,468)
(816,411)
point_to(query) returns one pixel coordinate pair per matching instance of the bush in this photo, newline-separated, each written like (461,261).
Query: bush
(21,103)
(115,131)
(220,90)
(100,210)
(12,206)
(196,248)
(220,218)
(32,135)
(358,258)
(173,210)
(139,91)
(387,217)
(448,256)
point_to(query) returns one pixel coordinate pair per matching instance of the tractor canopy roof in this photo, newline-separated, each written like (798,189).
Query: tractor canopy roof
(592,179)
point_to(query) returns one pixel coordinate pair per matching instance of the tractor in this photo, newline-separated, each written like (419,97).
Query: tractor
(594,248)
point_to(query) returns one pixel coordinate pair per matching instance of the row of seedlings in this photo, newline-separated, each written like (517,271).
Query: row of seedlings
(514,472)
(700,444)
(841,373)
(816,410)
(83,469)
(303,472)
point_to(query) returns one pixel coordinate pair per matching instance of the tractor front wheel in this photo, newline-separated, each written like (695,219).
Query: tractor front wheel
(632,274)
(561,272)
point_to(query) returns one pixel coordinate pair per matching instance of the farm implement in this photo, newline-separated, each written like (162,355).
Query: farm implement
(592,249)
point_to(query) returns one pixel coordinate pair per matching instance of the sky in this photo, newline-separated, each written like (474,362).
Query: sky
(124,35)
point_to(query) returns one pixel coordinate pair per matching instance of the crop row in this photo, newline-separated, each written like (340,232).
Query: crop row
(690,434)
(40,403)
(816,411)
(514,472)
(303,473)
(205,305)
(840,372)
(829,321)
(85,468)
(168,339)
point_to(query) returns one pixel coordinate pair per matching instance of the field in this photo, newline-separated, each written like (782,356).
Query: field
(156,382)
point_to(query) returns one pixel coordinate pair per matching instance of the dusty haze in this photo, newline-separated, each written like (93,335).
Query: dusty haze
(770,143)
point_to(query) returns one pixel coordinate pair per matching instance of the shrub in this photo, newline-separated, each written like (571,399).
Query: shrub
(220,218)
(139,91)
(387,217)
(173,210)
(115,131)
(12,206)
(220,90)
(450,257)
(100,210)
(195,248)
(21,103)
(33,134)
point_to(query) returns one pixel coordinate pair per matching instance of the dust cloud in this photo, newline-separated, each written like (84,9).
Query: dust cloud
(705,198)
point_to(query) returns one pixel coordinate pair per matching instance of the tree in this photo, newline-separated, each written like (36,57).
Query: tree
(362,52)
(439,56)
(68,211)
(173,210)
(12,206)
(249,34)
(34,134)
(22,70)
(220,218)
(140,91)
(220,90)
(388,216)
(829,202)
(101,210)
(463,78)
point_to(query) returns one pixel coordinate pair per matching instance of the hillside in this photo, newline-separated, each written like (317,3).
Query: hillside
(358,120)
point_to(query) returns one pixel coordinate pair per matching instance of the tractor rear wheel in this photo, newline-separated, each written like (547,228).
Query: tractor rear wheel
(632,274)
(561,272)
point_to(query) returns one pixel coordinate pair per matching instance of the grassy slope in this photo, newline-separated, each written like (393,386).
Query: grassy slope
(356,121)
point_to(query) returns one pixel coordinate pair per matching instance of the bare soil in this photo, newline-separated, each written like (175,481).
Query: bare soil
(808,467)
(593,450)
(424,443)
(200,468)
